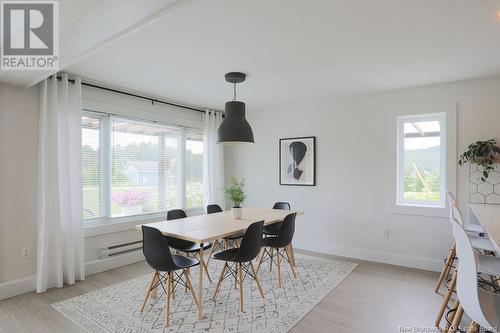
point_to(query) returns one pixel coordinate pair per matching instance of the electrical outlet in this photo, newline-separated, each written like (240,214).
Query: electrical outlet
(26,252)
(387,233)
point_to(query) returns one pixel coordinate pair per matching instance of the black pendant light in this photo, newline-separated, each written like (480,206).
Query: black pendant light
(235,128)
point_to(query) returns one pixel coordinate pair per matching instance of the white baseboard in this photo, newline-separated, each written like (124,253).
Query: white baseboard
(15,287)
(102,265)
(375,256)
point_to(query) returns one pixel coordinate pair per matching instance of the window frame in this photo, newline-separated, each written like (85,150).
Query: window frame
(401,120)
(106,151)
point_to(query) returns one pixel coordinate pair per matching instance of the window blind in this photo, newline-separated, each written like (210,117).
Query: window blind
(194,169)
(144,167)
(91,168)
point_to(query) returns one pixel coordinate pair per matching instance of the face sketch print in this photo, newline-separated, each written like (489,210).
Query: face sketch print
(298,151)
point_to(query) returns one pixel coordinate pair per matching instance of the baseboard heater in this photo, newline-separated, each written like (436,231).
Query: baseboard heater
(117,249)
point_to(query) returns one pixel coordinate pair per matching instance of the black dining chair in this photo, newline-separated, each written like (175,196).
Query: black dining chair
(275,248)
(239,260)
(229,241)
(157,253)
(274,229)
(214,208)
(191,249)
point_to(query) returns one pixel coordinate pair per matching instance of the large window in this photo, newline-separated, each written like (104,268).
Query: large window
(133,168)
(194,169)
(91,167)
(422,160)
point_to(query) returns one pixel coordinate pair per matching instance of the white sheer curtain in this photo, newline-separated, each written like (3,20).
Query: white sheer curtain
(213,160)
(60,233)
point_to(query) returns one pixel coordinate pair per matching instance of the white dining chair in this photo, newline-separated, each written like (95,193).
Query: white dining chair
(480,241)
(472,228)
(480,305)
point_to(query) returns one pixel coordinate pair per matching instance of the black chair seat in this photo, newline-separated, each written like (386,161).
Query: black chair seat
(269,241)
(189,247)
(184,262)
(235,236)
(272,229)
(227,255)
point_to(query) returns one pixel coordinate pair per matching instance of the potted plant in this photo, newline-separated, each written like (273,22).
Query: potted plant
(484,153)
(236,194)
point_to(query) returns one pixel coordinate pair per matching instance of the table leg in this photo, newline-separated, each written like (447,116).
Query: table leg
(292,255)
(200,285)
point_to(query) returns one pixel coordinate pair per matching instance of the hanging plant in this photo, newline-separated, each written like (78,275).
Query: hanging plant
(484,153)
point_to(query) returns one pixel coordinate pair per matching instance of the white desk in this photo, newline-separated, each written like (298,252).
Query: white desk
(488,215)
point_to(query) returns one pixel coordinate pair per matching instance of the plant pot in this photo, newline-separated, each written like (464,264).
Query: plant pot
(237,212)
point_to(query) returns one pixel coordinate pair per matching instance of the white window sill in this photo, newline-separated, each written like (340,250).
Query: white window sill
(418,210)
(104,226)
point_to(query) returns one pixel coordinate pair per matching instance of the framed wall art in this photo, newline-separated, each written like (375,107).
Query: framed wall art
(297,159)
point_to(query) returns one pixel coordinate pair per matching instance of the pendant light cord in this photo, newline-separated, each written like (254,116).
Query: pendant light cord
(234,91)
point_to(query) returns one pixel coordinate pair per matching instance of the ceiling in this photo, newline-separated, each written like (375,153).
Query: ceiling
(296,50)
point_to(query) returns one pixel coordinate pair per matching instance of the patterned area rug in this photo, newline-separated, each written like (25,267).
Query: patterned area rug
(116,308)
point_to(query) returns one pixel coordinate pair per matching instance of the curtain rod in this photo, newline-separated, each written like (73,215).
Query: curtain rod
(153,100)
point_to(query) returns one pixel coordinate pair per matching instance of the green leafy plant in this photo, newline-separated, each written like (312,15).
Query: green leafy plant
(235,192)
(484,154)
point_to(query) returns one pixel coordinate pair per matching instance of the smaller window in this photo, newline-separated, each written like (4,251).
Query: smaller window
(422,160)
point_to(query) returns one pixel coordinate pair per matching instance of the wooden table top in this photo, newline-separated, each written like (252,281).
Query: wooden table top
(209,227)
(488,215)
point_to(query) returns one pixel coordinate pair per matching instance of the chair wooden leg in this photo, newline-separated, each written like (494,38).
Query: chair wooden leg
(241,286)
(214,245)
(456,320)
(167,295)
(271,261)
(205,268)
(171,277)
(220,280)
(149,291)
(257,280)
(236,276)
(456,304)
(190,287)
(287,249)
(280,283)
(473,327)
(154,292)
(261,253)
(292,254)
(187,271)
(261,258)
(446,268)
(446,299)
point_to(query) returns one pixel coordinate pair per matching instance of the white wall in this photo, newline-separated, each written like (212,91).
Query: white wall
(18,180)
(347,212)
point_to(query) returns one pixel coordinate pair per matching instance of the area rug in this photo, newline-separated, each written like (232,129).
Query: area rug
(116,308)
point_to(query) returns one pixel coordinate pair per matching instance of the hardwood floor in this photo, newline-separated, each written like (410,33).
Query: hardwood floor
(373,298)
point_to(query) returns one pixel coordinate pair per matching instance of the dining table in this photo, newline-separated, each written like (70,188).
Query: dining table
(487,215)
(211,227)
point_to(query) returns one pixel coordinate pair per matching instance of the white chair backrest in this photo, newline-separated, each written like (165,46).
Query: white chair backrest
(455,212)
(467,286)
